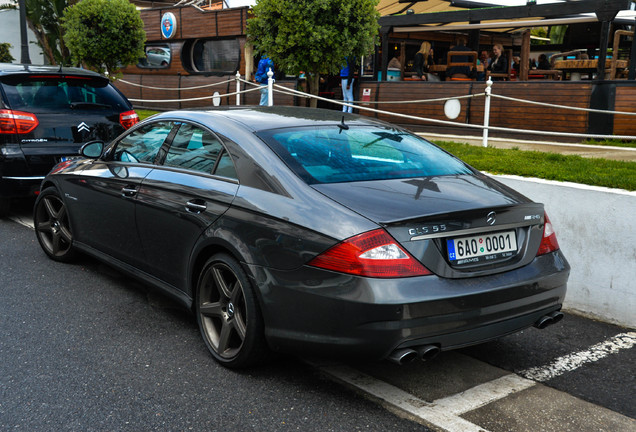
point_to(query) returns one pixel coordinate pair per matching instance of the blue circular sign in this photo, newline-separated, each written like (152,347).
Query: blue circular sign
(168,25)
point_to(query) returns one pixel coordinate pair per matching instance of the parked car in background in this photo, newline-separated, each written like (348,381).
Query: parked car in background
(46,114)
(308,231)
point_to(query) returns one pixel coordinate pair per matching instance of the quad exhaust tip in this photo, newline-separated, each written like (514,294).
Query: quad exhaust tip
(406,355)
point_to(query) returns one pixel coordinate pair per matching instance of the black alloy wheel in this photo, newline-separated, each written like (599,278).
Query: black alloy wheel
(228,314)
(52,226)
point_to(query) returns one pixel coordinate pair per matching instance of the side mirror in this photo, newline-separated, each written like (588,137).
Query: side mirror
(92,149)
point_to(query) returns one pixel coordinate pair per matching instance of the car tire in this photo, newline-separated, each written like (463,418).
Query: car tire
(52,227)
(228,314)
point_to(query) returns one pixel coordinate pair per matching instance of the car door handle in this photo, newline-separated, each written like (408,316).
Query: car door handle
(128,191)
(196,206)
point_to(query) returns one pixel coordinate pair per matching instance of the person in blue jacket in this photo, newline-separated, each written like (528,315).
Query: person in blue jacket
(264,65)
(346,77)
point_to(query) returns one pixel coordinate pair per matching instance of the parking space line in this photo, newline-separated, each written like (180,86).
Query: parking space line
(573,361)
(445,413)
(26,222)
(430,413)
(483,394)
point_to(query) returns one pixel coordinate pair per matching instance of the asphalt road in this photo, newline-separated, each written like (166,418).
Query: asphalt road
(86,348)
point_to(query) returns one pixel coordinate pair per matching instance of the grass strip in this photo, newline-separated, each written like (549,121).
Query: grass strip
(549,166)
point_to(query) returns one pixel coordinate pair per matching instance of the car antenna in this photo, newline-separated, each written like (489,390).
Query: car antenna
(342,125)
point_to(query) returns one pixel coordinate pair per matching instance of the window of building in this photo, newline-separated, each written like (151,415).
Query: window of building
(157,56)
(212,56)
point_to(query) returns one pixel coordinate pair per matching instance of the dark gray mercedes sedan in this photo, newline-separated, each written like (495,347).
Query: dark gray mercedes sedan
(310,232)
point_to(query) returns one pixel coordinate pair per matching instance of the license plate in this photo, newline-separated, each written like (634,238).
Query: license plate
(68,158)
(482,248)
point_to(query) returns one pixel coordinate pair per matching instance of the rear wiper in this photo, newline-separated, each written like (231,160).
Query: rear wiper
(75,105)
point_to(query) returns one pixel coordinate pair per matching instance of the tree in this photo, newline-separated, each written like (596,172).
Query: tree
(104,35)
(43,18)
(5,54)
(313,36)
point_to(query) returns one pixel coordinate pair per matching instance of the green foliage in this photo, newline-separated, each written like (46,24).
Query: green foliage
(550,166)
(43,18)
(144,113)
(104,35)
(611,142)
(5,54)
(541,32)
(557,34)
(313,36)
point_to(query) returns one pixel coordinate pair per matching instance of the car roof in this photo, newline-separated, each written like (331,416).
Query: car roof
(257,118)
(16,69)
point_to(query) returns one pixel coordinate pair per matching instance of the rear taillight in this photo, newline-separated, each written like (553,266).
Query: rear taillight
(128,119)
(372,254)
(17,122)
(549,241)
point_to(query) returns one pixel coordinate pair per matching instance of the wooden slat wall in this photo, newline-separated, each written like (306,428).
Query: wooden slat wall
(193,23)
(152,24)
(415,90)
(625,101)
(503,113)
(511,114)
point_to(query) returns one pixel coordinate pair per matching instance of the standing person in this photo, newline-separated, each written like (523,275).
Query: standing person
(346,77)
(264,65)
(499,63)
(423,59)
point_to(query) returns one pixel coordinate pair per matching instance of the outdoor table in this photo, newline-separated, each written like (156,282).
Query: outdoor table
(588,67)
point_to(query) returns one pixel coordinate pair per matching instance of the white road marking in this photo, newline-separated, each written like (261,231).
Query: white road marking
(23,221)
(483,394)
(573,361)
(445,413)
(431,414)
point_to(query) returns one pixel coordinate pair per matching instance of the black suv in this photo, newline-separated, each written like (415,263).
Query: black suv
(46,114)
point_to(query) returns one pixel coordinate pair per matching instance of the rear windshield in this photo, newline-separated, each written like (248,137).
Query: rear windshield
(46,93)
(333,154)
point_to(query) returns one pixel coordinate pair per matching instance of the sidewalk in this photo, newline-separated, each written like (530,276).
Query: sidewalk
(592,151)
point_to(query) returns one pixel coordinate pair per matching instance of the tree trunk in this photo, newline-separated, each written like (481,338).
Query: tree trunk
(44,43)
(313,80)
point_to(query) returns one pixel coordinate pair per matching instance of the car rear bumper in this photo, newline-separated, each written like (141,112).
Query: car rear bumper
(318,312)
(19,186)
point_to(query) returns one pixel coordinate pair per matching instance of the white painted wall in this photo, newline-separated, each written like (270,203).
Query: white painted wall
(596,229)
(10,32)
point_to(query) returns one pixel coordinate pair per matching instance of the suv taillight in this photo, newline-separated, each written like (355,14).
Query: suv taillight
(17,122)
(372,254)
(549,241)
(128,119)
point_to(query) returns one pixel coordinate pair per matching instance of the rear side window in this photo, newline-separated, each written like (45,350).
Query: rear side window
(193,148)
(37,93)
(198,149)
(333,154)
(143,144)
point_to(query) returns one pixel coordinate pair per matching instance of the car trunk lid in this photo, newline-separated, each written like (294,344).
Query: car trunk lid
(424,214)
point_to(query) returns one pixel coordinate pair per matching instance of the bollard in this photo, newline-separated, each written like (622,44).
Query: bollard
(238,88)
(270,87)
(487,111)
